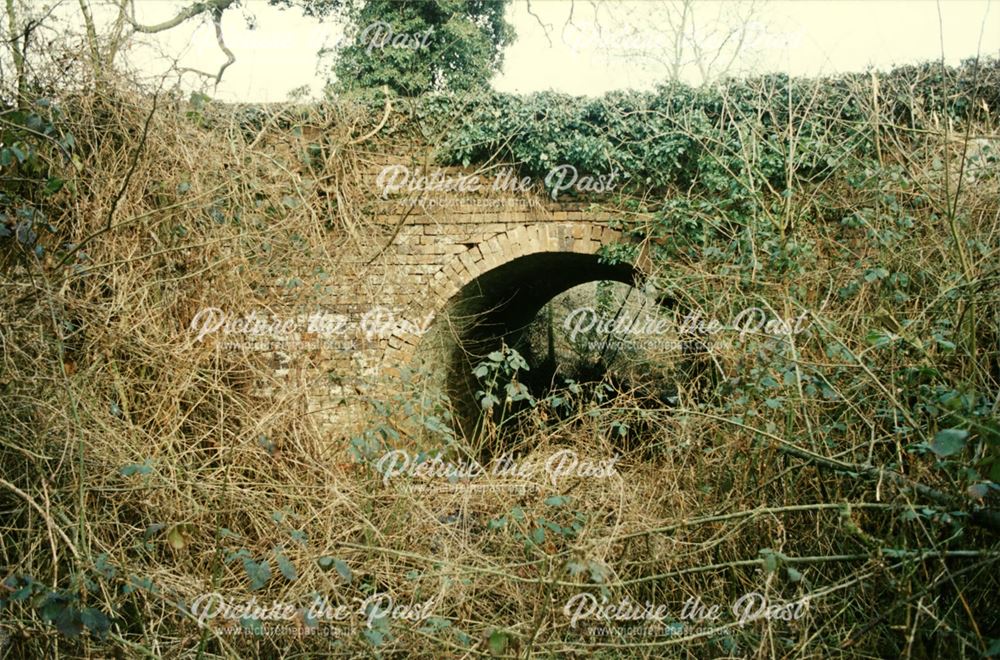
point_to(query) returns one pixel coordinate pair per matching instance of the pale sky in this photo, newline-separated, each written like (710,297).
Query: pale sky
(608,45)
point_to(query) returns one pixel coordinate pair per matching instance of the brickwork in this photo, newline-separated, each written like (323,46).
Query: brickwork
(434,244)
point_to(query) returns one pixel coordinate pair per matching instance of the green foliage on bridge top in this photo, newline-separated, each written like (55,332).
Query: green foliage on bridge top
(678,134)
(731,147)
(706,162)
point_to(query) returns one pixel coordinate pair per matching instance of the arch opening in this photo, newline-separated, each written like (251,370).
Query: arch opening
(499,309)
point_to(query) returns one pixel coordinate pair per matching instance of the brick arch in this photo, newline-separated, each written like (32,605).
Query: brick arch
(520,241)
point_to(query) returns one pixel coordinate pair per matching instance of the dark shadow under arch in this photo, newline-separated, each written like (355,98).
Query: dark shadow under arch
(497,307)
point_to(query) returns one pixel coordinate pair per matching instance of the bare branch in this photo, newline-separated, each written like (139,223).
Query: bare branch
(115,40)
(14,40)
(385,117)
(217,9)
(230,58)
(569,20)
(185,14)
(132,166)
(545,27)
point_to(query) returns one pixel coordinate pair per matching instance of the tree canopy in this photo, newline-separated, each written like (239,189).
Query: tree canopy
(424,45)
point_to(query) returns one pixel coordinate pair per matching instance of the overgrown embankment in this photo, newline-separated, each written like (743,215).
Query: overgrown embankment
(851,464)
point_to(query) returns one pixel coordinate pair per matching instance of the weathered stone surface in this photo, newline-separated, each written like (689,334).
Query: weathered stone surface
(432,245)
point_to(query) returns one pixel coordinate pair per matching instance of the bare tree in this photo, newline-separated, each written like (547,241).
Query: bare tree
(22,23)
(104,40)
(710,43)
(213,8)
(691,39)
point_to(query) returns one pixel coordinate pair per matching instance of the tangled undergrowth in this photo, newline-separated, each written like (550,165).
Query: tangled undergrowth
(850,466)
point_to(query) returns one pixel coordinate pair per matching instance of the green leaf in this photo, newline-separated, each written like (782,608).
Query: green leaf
(556,500)
(332,563)
(53,185)
(945,345)
(949,441)
(376,637)
(286,567)
(770,560)
(873,274)
(136,468)
(253,625)
(978,491)
(598,572)
(497,523)
(175,539)
(498,642)
(67,621)
(95,621)
(103,568)
(878,338)
(435,624)
(258,572)
(198,100)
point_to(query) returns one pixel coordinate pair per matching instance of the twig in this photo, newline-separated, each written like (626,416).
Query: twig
(545,26)
(854,638)
(385,117)
(45,516)
(134,163)
(982,517)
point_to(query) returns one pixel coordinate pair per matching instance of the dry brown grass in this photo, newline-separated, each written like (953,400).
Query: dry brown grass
(98,374)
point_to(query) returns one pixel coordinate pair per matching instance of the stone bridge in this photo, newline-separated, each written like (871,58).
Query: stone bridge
(461,272)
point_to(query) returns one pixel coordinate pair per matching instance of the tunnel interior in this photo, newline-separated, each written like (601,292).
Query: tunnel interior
(496,309)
